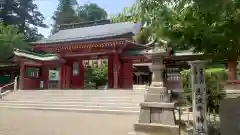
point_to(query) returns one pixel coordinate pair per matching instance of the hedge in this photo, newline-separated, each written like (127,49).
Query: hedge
(215,81)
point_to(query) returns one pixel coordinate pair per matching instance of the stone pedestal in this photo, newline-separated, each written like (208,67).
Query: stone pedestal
(157,113)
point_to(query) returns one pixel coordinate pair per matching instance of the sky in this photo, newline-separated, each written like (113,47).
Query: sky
(47,7)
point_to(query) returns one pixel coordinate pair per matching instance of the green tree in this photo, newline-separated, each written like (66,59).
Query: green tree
(10,38)
(96,76)
(131,14)
(24,14)
(209,27)
(65,14)
(91,12)
(99,76)
(215,81)
(128,14)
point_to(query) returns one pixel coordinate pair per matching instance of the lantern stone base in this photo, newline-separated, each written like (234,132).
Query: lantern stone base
(155,129)
(157,114)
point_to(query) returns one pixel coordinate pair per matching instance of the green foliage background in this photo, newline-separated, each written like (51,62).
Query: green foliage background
(95,77)
(25,15)
(10,38)
(69,12)
(215,80)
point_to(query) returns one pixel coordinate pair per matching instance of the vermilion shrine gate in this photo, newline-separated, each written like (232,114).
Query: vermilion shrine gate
(58,62)
(73,48)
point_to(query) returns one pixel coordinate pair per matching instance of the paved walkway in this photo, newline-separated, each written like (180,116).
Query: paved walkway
(35,122)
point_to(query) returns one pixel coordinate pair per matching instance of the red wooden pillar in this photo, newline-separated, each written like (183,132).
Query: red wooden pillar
(127,74)
(116,70)
(44,76)
(121,72)
(62,76)
(232,73)
(21,78)
(130,74)
(12,76)
(77,79)
(81,74)
(110,71)
(65,76)
(69,75)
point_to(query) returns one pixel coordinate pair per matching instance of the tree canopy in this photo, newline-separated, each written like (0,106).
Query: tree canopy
(10,38)
(69,12)
(210,27)
(131,14)
(128,14)
(25,15)
(20,19)
(91,12)
(205,26)
(64,14)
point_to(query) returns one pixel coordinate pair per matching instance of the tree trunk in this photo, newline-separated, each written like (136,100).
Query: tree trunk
(232,70)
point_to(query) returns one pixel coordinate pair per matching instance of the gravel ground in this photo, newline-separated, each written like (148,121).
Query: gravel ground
(35,122)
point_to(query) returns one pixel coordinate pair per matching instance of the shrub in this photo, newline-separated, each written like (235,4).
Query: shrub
(215,80)
(96,76)
(100,76)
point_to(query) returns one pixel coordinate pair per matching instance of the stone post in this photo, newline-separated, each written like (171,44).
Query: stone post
(199,98)
(157,113)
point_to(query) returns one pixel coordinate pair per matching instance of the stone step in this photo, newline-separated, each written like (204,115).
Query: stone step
(83,103)
(82,110)
(80,91)
(74,100)
(86,101)
(106,107)
(78,94)
(78,97)
(81,94)
(74,96)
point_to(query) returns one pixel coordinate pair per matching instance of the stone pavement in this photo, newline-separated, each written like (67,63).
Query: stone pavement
(35,122)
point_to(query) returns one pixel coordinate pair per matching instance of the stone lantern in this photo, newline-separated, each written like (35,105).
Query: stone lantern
(157,113)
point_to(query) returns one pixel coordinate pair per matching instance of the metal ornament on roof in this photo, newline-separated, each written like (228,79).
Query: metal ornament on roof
(199,98)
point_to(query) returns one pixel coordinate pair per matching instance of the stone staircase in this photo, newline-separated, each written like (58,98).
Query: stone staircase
(99,101)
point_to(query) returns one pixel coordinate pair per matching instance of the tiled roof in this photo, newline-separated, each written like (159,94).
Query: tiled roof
(92,33)
(135,51)
(34,55)
(139,51)
(7,65)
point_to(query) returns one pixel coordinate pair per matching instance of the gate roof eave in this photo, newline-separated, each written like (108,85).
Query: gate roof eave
(35,56)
